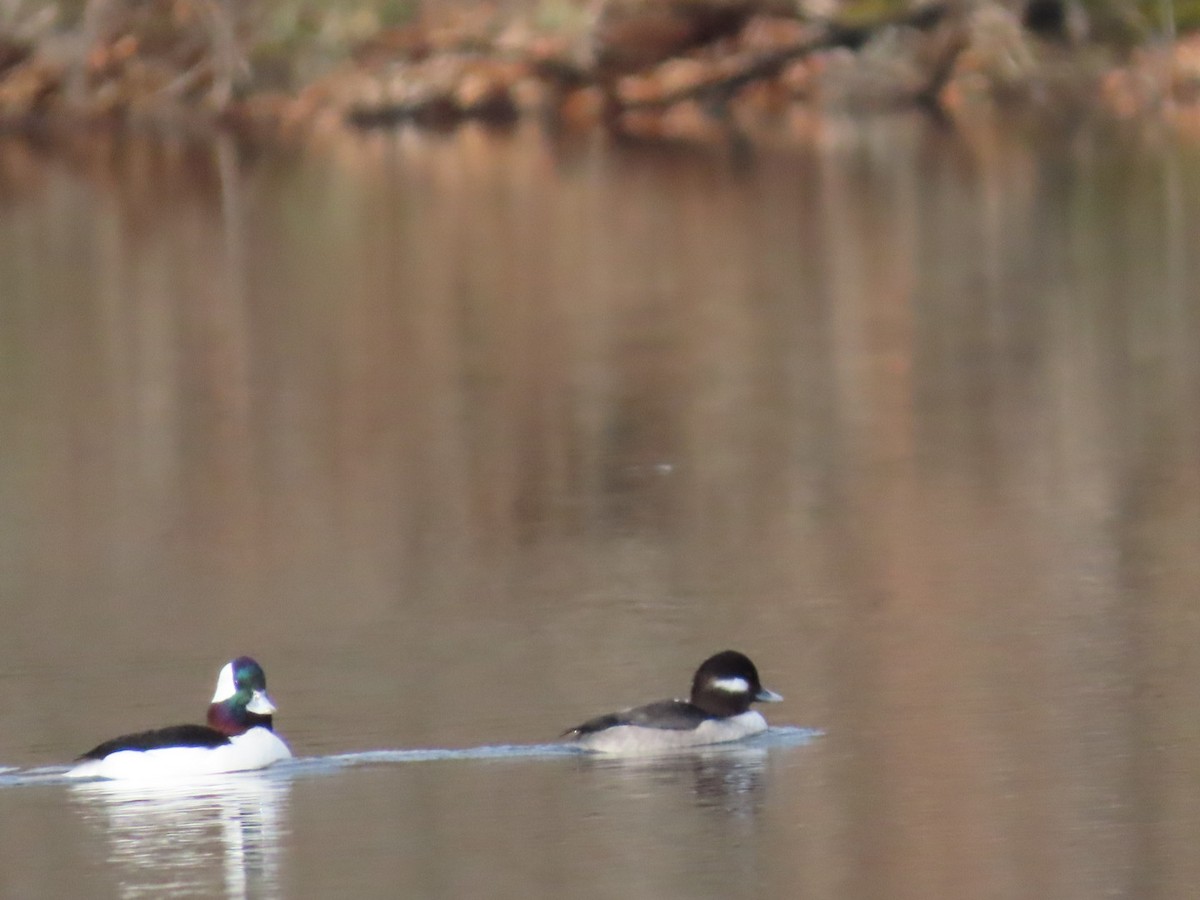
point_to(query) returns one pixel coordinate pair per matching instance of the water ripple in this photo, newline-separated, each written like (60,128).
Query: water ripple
(774,738)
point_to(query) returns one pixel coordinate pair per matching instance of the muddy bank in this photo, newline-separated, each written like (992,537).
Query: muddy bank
(676,67)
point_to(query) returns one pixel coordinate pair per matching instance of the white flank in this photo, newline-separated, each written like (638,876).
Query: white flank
(256,749)
(226,687)
(635,740)
(731,685)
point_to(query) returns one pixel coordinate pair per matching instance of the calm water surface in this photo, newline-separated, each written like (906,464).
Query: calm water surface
(467,438)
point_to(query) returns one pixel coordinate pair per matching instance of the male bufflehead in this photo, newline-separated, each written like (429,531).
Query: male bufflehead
(238,736)
(718,711)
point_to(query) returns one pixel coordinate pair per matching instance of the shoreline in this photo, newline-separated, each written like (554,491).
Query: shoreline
(480,68)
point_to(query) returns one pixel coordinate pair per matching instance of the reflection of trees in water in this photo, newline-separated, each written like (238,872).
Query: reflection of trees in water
(980,526)
(926,397)
(212,834)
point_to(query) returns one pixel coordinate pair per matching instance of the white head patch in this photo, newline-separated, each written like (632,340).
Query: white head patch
(225,685)
(730,685)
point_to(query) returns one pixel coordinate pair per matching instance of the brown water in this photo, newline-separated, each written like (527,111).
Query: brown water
(467,438)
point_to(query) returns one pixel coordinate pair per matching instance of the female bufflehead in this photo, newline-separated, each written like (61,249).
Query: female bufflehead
(718,711)
(238,736)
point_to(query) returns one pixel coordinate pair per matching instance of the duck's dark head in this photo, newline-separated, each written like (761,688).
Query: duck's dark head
(727,683)
(240,701)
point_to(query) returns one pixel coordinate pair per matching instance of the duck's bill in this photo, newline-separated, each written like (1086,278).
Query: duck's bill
(765,696)
(260,704)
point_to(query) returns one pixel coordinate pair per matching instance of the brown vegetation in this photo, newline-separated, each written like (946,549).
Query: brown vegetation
(626,63)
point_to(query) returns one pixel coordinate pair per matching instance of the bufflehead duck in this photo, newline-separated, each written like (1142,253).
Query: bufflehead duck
(238,736)
(718,711)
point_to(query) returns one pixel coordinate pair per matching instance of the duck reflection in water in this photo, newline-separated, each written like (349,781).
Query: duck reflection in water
(726,778)
(218,835)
